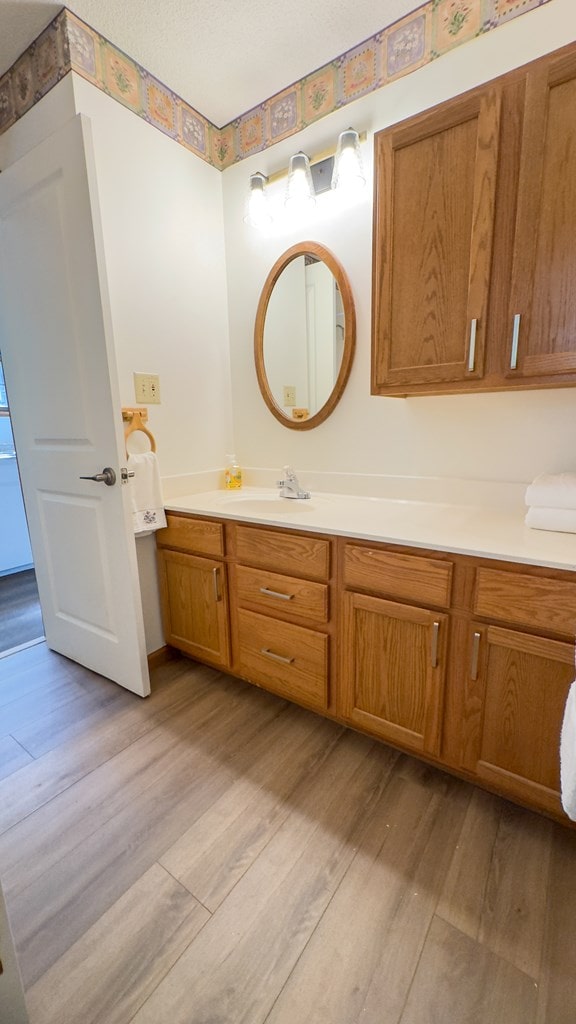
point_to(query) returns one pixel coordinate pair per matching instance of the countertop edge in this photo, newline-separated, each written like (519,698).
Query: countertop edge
(475,531)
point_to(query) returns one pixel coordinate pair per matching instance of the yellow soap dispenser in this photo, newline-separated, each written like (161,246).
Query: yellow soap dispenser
(232,474)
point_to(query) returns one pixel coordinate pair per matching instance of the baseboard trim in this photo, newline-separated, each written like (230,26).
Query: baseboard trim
(161,657)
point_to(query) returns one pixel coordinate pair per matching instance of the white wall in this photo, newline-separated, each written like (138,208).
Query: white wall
(161,213)
(502,437)
(162,222)
(164,239)
(41,121)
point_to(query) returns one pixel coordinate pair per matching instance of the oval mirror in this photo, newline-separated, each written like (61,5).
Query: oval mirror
(305,336)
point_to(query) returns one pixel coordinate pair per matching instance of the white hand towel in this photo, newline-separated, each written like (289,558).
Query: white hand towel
(568,755)
(553,491)
(560,520)
(146,493)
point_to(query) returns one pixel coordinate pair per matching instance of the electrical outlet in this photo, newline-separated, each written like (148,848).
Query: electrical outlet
(289,394)
(147,388)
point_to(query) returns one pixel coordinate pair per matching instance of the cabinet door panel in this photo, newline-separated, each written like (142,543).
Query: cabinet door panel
(394,671)
(434,219)
(195,606)
(544,270)
(517,704)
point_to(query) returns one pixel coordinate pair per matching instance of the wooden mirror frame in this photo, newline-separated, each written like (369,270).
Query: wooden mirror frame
(323,254)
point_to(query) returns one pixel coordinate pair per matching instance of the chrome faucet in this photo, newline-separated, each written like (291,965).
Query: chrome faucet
(289,486)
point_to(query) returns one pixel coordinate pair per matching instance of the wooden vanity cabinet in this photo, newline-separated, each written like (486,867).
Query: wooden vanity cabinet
(474,263)
(433,230)
(519,669)
(464,661)
(394,653)
(543,289)
(281,612)
(194,588)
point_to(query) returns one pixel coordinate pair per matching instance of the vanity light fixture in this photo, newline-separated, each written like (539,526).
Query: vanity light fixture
(300,194)
(258,209)
(348,172)
(338,169)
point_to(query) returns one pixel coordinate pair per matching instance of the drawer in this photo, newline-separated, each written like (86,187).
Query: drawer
(290,660)
(534,601)
(408,577)
(282,595)
(197,535)
(291,553)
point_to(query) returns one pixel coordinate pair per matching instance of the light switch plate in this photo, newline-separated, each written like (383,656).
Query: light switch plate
(289,395)
(147,388)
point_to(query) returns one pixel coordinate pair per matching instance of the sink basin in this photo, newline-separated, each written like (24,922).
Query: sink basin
(278,506)
(265,501)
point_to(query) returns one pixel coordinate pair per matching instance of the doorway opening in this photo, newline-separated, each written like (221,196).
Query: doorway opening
(20,613)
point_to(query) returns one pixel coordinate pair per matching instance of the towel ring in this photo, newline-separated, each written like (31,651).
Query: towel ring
(134,420)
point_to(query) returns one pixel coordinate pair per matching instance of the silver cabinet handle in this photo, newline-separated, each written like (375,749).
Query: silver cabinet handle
(475,655)
(472,344)
(515,340)
(216,581)
(276,593)
(434,648)
(276,657)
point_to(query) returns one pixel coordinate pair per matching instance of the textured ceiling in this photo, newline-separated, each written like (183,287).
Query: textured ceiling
(221,56)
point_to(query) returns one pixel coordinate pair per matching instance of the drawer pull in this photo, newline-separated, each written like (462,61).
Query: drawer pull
(276,593)
(216,581)
(434,649)
(475,655)
(472,345)
(276,657)
(515,340)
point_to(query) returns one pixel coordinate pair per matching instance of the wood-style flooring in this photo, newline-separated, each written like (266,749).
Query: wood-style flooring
(20,614)
(215,855)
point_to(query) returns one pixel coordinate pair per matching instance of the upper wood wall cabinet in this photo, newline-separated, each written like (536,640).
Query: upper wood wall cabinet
(474,279)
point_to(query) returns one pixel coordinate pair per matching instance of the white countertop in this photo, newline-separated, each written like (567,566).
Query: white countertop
(488,532)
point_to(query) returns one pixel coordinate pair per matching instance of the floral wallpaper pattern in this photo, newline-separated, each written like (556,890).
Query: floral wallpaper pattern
(68,44)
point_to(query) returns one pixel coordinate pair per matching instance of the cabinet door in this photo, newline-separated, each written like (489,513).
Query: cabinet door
(542,316)
(515,698)
(433,231)
(195,606)
(394,667)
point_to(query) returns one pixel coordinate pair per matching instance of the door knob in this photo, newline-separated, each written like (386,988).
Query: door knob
(107,476)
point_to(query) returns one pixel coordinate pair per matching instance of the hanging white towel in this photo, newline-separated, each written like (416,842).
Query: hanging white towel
(146,493)
(553,491)
(560,520)
(568,755)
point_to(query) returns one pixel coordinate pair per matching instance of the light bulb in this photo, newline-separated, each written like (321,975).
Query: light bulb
(258,211)
(348,174)
(300,189)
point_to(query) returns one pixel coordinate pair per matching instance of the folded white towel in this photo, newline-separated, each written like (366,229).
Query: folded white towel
(560,520)
(553,491)
(568,755)
(146,493)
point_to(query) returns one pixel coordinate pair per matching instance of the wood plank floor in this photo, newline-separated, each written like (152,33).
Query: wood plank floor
(215,855)
(20,613)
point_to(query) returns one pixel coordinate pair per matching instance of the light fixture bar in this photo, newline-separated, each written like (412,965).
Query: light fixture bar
(317,158)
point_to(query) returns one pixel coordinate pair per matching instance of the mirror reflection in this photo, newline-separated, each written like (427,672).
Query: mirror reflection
(304,335)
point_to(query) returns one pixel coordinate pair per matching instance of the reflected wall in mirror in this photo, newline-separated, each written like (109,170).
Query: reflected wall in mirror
(305,336)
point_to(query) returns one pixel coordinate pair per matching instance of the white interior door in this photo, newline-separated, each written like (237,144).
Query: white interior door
(57,350)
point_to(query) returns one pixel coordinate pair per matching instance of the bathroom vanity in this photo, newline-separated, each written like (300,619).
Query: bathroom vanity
(459,651)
